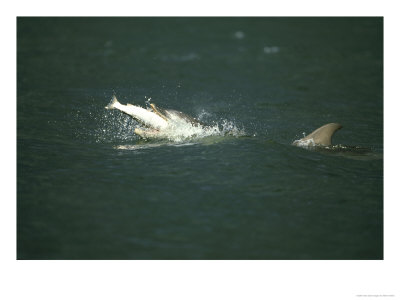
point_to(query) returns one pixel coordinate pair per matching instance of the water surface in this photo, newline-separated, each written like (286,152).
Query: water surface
(88,188)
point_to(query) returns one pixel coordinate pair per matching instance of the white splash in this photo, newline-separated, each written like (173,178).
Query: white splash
(305,143)
(146,146)
(179,130)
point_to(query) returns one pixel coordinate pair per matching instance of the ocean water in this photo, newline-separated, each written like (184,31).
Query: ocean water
(89,188)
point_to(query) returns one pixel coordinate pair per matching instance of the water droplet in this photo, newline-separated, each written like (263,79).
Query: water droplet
(271,50)
(239,35)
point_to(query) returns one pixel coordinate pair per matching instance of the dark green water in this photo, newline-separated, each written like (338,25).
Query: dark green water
(247,196)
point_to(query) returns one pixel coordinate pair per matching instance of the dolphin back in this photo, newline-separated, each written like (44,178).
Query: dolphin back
(183,116)
(170,113)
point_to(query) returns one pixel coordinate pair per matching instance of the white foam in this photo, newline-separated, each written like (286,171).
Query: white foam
(180,130)
(305,143)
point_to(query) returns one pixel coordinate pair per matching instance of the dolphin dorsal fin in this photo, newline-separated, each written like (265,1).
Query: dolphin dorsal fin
(158,111)
(323,135)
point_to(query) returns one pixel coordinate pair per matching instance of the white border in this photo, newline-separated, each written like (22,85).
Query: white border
(197,279)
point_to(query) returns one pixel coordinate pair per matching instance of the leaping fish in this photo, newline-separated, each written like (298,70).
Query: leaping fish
(156,120)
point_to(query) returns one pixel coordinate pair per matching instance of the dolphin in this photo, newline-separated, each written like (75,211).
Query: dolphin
(319,137)
(155,119)
(174,114)
(321,141)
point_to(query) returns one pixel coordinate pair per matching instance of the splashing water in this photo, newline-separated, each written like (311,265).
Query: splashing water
(114,126)
(305,143)
(352,152)
(179,130)
(98,126)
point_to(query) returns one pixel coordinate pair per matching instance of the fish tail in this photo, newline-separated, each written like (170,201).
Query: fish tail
(112,103)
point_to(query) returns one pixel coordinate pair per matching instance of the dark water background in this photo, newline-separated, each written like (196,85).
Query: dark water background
(249,196)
